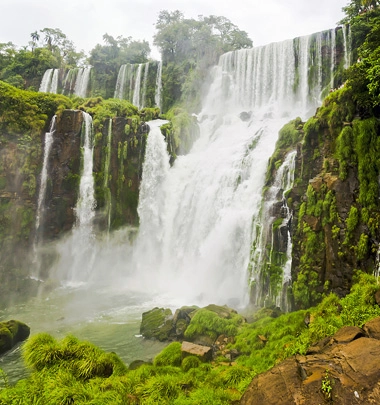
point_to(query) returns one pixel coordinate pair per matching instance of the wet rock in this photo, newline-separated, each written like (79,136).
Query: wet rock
(245,116)
(157,324)
(11,333)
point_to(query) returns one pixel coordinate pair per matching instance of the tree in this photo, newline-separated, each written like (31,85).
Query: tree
(107,59)
(189,47)
(35,38)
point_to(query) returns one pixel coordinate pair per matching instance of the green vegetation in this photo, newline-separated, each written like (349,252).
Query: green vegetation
(72,371)
(189,47)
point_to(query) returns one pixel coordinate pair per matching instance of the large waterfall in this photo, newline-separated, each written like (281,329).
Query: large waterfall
(198,219)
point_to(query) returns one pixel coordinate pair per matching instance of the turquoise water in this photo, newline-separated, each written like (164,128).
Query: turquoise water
(110,319)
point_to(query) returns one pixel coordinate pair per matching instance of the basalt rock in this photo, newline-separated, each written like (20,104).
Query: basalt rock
(342,369)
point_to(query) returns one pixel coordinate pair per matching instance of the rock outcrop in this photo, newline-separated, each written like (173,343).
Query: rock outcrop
(342,369)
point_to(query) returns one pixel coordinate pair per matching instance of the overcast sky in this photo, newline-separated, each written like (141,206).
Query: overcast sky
(85,21)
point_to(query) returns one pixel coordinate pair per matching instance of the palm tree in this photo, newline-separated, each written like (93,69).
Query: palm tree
(35,38)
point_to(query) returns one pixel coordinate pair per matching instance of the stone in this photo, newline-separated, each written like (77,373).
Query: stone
(348,334)
(157,324)
(245,116)
(204,353)
(372,328)
(11,333)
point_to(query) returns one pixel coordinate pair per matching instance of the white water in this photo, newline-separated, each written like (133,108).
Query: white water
(145,81)
(284,182)
(120,82)
(44,172)
(199,218)
(81,83)
(333,56)
(78,250)
(346,30)
(157,96)
(136,90)
(107,174)
(49,82)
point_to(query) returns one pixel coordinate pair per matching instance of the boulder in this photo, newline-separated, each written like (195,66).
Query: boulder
(204,353)
(344,365)
(11,333)
(157,324)
(372,328)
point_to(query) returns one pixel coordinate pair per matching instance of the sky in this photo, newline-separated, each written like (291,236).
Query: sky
(85,21)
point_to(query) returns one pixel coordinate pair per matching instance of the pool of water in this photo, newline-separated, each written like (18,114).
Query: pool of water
(104,316)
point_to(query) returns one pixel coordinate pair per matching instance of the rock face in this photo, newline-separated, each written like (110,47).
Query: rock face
(342,369)
(64,175)
(11,333)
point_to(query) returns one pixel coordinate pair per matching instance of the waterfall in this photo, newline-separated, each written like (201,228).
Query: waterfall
(157,96)
(86,201)
(333,55)
(120,82)
(277,236)
(152,193)
(318,64)
(81,83)
(346,30)
(36,270)
(201,218)
(303,71)
(69,82)
(136,90)
(49,82)
(44,173)
(145,82)
(78,254)
(107,192)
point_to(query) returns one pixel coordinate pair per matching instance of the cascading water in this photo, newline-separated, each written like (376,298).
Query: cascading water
(44,173)
(41,199)
(107,193)
(346,30)
(78,252)
(274,234)
(199,219)
(145,81)
(333,56)
(81,83)
(132,84)
(120,82)
(157,96)
(49,82)
(136,90)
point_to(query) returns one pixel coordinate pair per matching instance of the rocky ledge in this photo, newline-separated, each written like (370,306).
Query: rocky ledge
(342,369)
